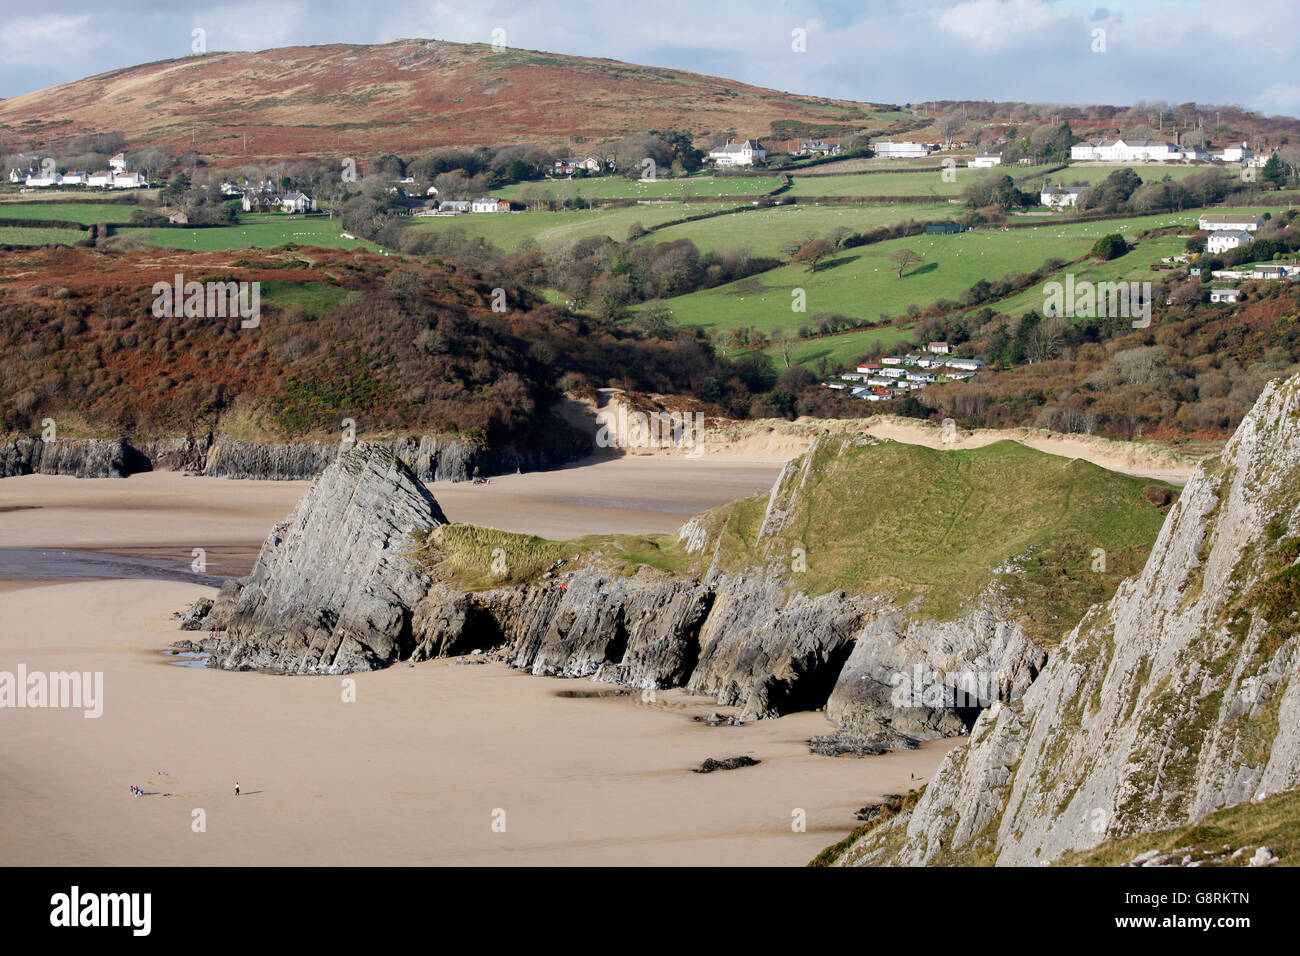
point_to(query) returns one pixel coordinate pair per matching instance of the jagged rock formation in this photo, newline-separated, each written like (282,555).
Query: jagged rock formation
(339,591)
(332,590)
(1177,699)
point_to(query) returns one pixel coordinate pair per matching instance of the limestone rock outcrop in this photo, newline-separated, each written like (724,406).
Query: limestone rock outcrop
(333,588)
(1178,698)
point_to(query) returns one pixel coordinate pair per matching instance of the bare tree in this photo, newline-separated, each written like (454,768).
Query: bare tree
(904,258)
(950,126)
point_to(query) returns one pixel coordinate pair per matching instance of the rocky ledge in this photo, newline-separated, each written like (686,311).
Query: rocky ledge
(222,456)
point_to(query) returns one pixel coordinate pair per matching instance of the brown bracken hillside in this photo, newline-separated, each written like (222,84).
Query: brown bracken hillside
(405,96)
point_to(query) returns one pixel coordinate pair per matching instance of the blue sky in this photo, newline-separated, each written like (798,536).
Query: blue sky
(894,51)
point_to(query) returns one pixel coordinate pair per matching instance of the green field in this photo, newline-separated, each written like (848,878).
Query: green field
(255,235)
(838,350)
(863,282)
(765,230)
(507,231)
(34,236)
(616,187)
(1133,266)
(1150,173)
(931,183)
(87,212)
(316,298)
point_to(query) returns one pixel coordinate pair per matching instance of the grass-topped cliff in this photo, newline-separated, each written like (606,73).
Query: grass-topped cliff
(1169,714)
(927,528)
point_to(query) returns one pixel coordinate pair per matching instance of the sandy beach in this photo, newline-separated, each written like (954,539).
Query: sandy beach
(410,773)
(415,770)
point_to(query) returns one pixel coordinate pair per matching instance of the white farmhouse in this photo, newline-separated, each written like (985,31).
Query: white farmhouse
(129,181)
(985,161)
(1125,151)
(738,154)
(1226,239)
(486,204)
(891,150)
(1235,154)
(297,203)
(118,163)
(1212,222)
(1058,197)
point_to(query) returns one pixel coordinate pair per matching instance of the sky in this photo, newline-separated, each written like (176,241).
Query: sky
(887,51)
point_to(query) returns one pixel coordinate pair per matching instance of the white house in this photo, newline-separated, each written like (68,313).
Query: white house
(926,377)
(568,165)
(1235,154)
(297,202)
(890,150)
(938,348)
(1225,295)
(1058,197)
(118,163)
(454,206)
(985,161)
(1261,271)
(486,204)
(1122,151)
(966,365)
(73,179)
(1225,239)
(817,147)
(1214,222)
(738,154)
(893,373)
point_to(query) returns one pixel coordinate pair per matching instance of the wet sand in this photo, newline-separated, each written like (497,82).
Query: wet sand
(417,768)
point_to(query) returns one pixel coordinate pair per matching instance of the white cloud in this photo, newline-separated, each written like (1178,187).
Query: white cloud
(39,39)
(990,24)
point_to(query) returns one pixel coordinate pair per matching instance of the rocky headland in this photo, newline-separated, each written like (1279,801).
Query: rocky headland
(368,572)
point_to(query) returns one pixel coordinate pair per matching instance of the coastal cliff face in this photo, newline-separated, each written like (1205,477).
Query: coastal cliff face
(75,457)
(221,456)
(1175,700)
(366,574)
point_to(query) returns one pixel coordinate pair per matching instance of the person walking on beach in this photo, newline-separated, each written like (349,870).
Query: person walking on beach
(236,788)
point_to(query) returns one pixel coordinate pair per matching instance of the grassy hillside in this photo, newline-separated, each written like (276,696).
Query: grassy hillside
(932,526)
(864,282)
(81,212)
(701,186)
(924,182)
(262,234)
(927,527)
(550,227)
(1273,822)
(766,230)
